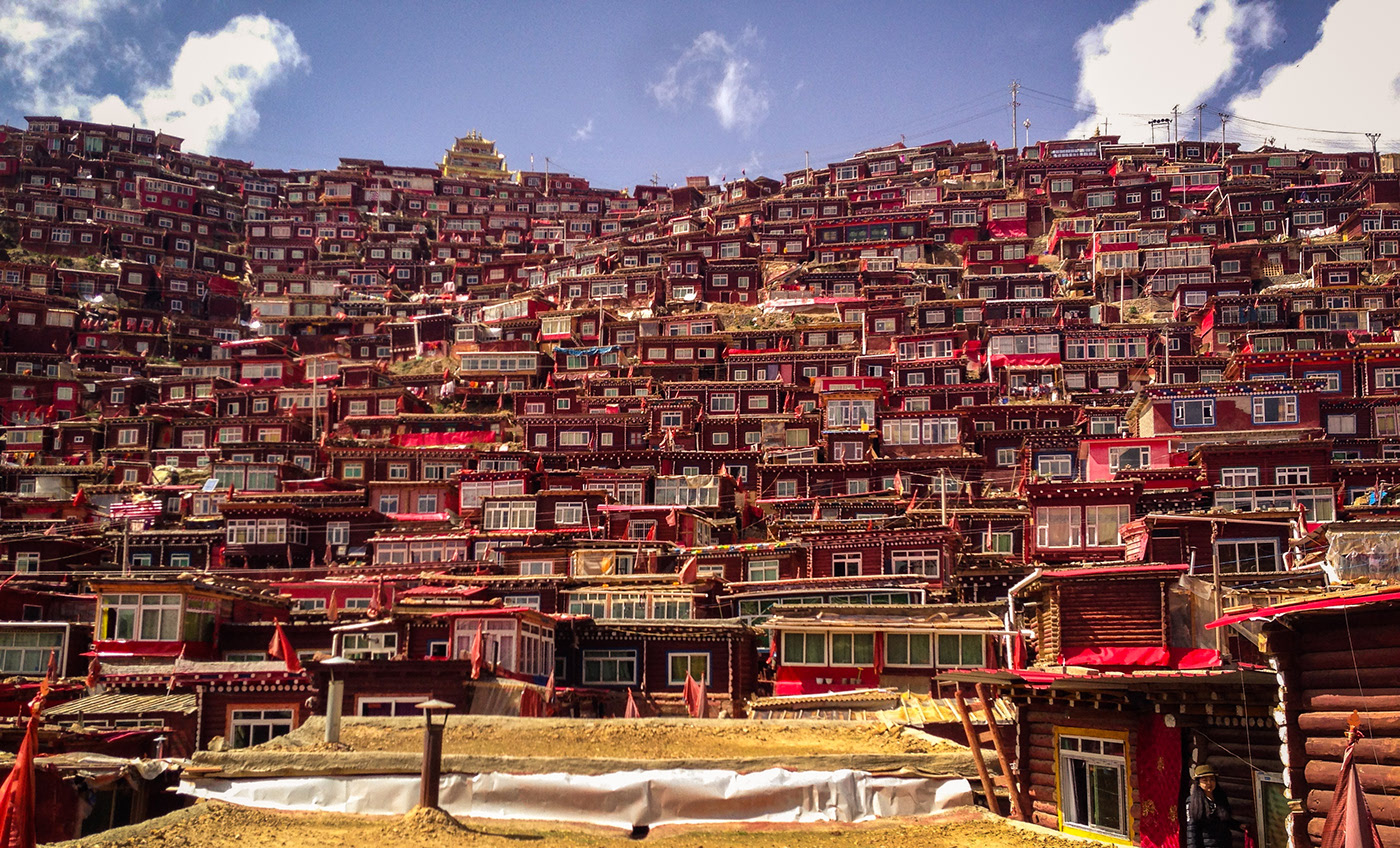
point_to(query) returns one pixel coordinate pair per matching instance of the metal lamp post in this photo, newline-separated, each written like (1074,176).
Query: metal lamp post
(432,750)
(335,695)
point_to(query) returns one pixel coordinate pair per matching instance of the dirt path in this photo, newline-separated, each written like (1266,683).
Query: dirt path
(216,825)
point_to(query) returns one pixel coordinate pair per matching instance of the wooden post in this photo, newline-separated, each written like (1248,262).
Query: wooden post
(432,762)
(988,787)
(1018,801)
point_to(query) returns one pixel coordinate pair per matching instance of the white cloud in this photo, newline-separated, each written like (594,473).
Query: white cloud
(1353,42)
(53,50)
(38,42)
(1153,55)
(585,132)
(715,66)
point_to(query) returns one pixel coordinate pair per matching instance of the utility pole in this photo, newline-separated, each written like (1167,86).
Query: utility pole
(1201,127)
(1154,123)
(1176,126)
(1224,116)
(943,499)
(1375,152)
(1015,87)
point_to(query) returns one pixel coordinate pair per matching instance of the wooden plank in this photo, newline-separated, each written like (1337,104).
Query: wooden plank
(1385,752)
(1386,657)
(1389,835)
(988,787)
(1384,808)
(1375,724)
(1018,803)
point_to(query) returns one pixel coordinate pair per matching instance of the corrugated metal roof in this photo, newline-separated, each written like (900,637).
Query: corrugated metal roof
(131,705)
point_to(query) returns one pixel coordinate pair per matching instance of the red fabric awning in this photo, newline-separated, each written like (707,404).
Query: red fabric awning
(1342,602)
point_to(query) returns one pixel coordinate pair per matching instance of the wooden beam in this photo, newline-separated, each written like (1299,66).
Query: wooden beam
(1018,801)
(988,788)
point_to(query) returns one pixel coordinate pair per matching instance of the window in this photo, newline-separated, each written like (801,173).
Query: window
(1247,556)
(611,667)
(1121,458)
(694,665)
(1235,478)
(763,570)
(845,564)
(509,515)
(914,562)
(338,533)
(1341,425)
(369,646)
(254,727)
(27,651)
(1092,788)
(908,649)
(1276,409)
(1292,475)
(1057,526)
(568,514)
(1006,457)
(26,562)
(1193,413)
(961,650)
(1055,465)
(804,648)
(853,649)
(1102,524)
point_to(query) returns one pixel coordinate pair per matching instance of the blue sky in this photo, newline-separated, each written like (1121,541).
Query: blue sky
(618,91)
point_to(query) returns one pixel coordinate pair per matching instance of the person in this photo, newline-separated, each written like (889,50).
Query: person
(1208,817)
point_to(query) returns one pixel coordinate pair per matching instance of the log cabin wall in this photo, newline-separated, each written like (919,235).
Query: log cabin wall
(1331,663)
(1243,748)
(1102,614)
(1038,724)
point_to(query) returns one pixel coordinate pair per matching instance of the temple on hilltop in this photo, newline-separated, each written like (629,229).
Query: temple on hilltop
(473,156)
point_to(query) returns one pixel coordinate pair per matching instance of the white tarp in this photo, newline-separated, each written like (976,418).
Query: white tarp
(617,799)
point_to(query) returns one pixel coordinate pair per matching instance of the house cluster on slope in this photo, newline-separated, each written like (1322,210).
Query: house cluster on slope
(925,417)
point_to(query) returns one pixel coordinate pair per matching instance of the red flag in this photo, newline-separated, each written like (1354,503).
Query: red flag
(530,704)
(501,400)
(17,793)
(1349,823)
(651,534)
(94,675)
(478,654)
(174,668)
(816,510)
(631,711)
(671,518)
(539,465)
(695,697)
(80,498)
(281,649)
(549,693)
(690,570)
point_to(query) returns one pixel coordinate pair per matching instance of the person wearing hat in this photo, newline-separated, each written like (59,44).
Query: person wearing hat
(1208,817)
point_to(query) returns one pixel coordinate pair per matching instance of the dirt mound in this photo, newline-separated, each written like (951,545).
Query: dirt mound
(428,823)
(216,825)
(624,738)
